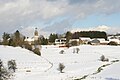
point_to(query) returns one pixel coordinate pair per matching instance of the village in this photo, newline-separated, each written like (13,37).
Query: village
(65,41)
(111,39)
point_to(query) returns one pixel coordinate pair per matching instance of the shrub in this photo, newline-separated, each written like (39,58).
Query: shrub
(37,51)
(112,43)
(28,46)
(62,52)
(106,59)
(12,65)
(77,50)
(61,67)
(89,43)
(102,58)
(74,43)
(73,50)
(4,74)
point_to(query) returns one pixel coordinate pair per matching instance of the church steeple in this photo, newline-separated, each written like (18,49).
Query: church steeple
(36,35)
(36,32)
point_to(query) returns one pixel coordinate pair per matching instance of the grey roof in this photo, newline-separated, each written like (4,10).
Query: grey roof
(95,41)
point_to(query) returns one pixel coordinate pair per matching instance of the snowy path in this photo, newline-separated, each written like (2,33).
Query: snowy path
(49,63)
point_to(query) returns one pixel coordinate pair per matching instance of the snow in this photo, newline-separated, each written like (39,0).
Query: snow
(45,67)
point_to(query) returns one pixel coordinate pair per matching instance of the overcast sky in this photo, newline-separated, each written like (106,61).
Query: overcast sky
(59,15)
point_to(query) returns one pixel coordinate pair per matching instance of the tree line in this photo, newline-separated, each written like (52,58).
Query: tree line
(17,39)
(90,34)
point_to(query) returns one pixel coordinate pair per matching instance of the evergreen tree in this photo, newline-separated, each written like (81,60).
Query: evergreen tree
(44,41)
(4,74)
(68,36)
(5,37)
(52,38)
(90,34)
(17,39)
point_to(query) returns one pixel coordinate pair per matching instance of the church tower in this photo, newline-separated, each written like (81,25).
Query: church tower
(36,35)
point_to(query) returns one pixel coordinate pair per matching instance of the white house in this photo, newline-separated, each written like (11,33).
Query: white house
(114,39)
(60,41)
(84,40)
(103,41)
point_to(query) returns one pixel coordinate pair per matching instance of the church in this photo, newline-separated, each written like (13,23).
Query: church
(34,38)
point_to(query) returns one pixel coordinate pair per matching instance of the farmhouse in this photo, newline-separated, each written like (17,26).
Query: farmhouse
(60,41)
(114,39)
(84,40)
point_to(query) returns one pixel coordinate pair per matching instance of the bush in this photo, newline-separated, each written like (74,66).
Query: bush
(12,65)
(112,43)
(76,50)
(62,52)
(28,46)
(102,58)
(89,43)
(61,67)
(37,51)
(4,74)
(74,43)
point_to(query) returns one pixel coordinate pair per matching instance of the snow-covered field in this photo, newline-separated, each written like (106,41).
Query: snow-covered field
(85,64)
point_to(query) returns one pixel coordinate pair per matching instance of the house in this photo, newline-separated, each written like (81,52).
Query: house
(60,41)
(84,40)
(103,41)
(114,39)
(74,42)
(95,42)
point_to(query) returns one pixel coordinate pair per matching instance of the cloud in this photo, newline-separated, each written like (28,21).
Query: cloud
(29,31)
(102,28)
(58,27)
(107,29)
(16,13)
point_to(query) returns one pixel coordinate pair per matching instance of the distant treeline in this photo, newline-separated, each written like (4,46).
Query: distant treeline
(17,39)
(90,34)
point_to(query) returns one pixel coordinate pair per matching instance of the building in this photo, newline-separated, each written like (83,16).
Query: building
(36,35)
(74,42)
(60,41)
(114,39)
(34,38)
(84,40)
(95,42)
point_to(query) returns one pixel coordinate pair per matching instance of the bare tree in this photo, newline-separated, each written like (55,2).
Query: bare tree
(77,50)
(61,67)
